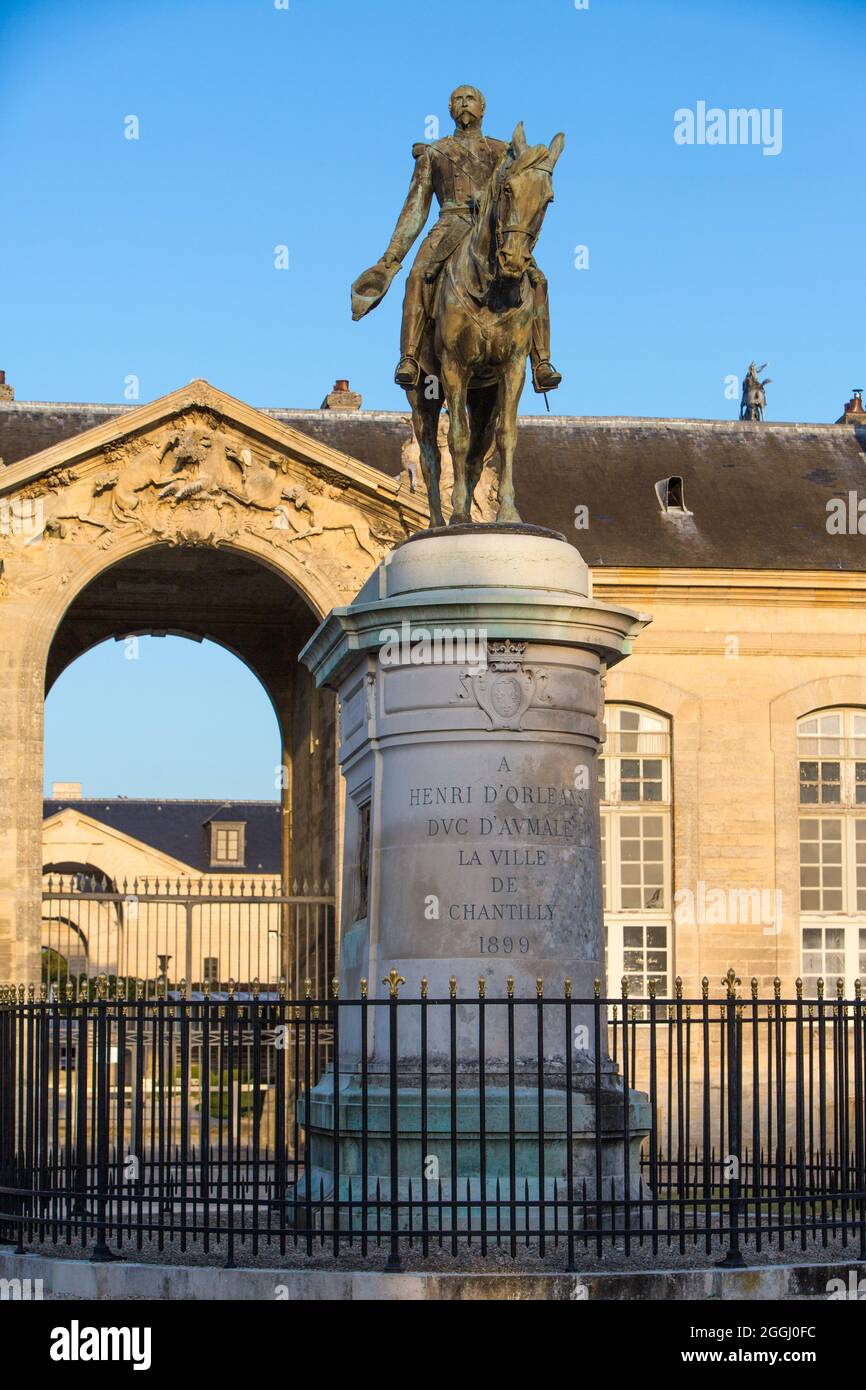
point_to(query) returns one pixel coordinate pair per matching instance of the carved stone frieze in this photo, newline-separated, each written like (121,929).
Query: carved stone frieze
(196,480)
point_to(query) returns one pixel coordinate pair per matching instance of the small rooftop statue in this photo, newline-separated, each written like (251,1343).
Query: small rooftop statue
(754,400)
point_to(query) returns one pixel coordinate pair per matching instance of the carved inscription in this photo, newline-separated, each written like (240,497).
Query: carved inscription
(501,846)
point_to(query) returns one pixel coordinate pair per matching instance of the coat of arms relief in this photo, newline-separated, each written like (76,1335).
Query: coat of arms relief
(505,688)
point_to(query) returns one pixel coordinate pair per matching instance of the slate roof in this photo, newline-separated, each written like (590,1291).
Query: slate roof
(758,493)
(180,828)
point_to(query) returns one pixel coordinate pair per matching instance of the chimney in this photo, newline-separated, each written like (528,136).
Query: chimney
(341,398)
(853,414)
(7,393)
(65,791)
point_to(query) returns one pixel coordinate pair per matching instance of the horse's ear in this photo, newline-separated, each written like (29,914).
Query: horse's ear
(557,145)
(518,139)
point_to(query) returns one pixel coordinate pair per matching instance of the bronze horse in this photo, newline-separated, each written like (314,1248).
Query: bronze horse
(480,332)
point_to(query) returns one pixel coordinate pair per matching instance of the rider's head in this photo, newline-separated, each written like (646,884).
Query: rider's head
(467,107)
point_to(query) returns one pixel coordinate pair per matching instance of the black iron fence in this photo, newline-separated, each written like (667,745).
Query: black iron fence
(728,1125)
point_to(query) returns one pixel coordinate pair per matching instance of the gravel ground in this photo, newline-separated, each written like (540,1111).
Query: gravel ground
(468,1257)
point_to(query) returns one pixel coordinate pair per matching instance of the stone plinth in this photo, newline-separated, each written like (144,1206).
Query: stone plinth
(469,670)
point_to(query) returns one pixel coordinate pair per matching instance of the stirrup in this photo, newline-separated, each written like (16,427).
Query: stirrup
(545,377)
(408,372)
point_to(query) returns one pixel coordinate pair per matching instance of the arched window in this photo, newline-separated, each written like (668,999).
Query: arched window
(831,748)
(635,793)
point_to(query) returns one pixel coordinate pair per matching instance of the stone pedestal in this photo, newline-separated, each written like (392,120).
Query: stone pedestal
(469,670)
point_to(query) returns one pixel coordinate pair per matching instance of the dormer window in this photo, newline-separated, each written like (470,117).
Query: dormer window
(227,844)
(669,492)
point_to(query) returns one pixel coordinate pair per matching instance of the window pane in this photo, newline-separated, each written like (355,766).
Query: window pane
(821,865)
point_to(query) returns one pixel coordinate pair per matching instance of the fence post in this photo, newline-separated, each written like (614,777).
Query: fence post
(7,1109)
(734,1258)
(101,1251)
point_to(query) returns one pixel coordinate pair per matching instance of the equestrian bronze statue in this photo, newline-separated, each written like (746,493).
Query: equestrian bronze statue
(753,402)
(476,303)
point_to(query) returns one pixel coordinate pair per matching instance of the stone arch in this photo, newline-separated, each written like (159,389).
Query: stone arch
(196,473)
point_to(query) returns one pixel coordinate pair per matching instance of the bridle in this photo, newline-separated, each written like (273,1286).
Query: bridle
(500,232)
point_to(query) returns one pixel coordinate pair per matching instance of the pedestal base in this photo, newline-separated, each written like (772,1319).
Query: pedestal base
(458,1169)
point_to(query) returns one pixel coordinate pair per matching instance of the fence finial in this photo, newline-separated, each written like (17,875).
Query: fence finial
(705,988)
(335,987)
(596,986)
(678,987)
(730,981)
(539,987)
(393,980)
(482,986)
(423,986)
(857,988)
(256,987)
(840,988)
(754,985)
(623,984)
(777,988)
(452,987)
(363,987)
(798,987)
(568,989)
(509,985)
(184,988)
(308,988)
(820,987)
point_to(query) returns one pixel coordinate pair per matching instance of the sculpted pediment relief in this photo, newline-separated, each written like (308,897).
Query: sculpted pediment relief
(200,478)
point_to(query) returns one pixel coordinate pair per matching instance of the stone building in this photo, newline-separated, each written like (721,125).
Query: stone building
(147,889)
(734,777)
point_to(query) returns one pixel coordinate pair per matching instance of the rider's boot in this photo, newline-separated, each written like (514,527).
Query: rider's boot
(408,372)
(545,377)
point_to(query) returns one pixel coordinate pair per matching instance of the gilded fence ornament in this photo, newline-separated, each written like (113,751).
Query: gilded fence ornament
(393,980)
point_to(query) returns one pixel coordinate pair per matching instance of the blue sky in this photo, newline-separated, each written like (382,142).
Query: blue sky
(262,126)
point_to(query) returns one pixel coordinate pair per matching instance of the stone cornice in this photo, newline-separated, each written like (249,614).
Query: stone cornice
(789,588)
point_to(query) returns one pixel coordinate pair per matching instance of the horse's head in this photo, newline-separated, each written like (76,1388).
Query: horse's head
(524,191)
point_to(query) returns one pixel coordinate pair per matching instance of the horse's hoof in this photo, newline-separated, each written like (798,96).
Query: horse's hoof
(509,515)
